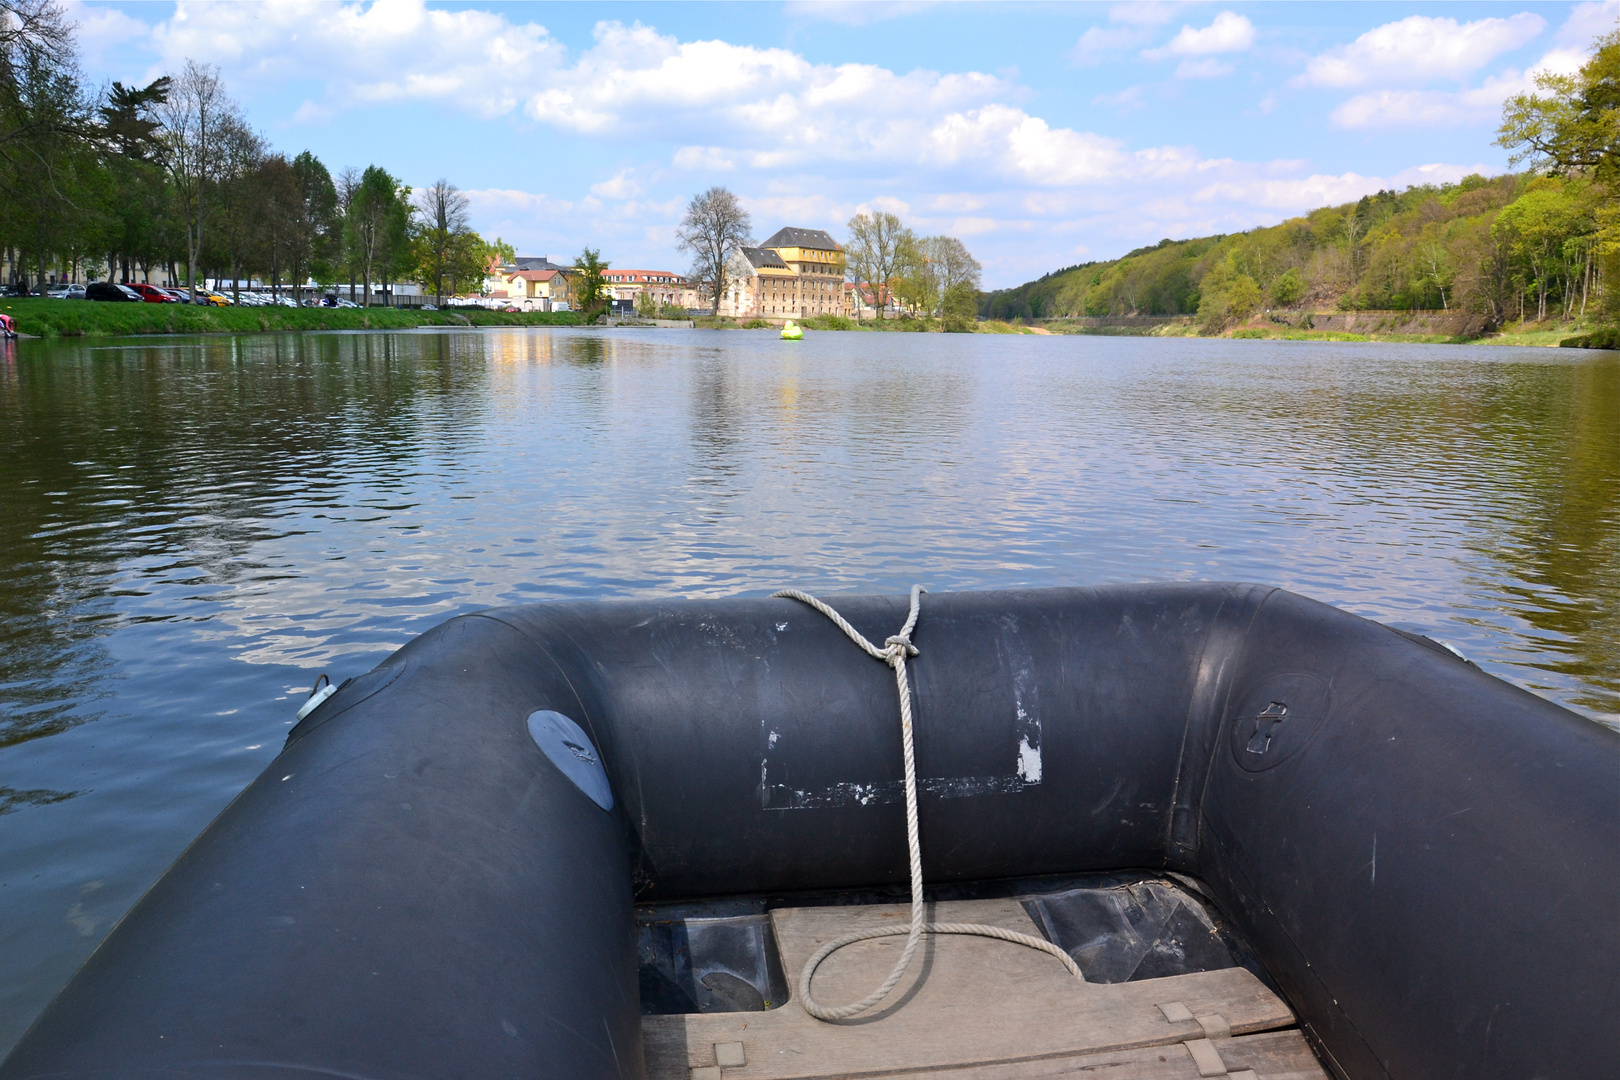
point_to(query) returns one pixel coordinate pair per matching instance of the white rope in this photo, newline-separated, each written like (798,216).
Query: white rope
(894,653)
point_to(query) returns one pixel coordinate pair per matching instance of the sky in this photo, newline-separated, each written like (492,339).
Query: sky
(1042,135)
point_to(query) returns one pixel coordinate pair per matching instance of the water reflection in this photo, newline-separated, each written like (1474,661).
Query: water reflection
(194,528)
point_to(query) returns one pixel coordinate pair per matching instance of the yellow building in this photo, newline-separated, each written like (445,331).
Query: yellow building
(795,274)
(530,284)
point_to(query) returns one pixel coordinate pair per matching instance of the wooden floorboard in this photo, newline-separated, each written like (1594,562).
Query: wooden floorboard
(974,1009)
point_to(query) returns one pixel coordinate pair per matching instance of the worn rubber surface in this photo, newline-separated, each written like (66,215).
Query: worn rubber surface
(1424,856)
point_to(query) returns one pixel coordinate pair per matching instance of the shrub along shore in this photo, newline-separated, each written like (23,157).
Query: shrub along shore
(48,318)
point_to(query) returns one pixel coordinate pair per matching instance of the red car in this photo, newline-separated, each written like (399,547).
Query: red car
(150,293)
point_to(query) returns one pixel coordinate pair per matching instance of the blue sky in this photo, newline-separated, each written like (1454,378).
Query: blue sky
(1040,134)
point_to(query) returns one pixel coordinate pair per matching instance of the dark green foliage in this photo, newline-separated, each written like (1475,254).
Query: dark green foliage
(960,309)
(75,318)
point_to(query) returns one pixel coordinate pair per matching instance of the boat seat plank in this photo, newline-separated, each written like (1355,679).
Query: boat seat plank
(966,1002)
(1271,1055)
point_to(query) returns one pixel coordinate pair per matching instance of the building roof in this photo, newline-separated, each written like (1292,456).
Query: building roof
(657,277)
(762,257)
(804,238)
(534,275)
(537,262)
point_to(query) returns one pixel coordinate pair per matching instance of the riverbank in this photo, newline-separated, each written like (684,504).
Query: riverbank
(903,325)
(79,318)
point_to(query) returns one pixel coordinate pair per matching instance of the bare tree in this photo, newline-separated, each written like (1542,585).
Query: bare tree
(875,253)
(200,126)
(444,221)
(953,263)
(715,227)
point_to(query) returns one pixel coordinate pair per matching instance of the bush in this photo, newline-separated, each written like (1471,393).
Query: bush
(1287,290)
(828,322)
(960,312)
(1604,337)
(81,318)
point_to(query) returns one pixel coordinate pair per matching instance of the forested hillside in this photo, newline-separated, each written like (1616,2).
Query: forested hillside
(1509,248)
(1536,247)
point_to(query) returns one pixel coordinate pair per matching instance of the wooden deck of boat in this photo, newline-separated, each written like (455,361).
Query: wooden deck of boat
(973,1008)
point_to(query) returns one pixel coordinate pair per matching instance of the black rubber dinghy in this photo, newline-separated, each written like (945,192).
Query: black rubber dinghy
(438,875)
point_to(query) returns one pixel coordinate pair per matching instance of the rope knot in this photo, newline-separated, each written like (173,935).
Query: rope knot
(898,648)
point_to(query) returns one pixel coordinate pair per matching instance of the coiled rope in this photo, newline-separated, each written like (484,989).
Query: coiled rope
(894,653)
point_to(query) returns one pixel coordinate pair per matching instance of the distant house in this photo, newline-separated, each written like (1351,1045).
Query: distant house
(664,286)
(529,282)
(796,273)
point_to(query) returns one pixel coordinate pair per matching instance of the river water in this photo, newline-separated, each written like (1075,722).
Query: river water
(191,529)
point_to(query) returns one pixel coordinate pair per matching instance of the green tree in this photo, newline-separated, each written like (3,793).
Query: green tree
(1572,127)
(378,228)
(960,308)
(1287,290)
(315,243)
(590,288)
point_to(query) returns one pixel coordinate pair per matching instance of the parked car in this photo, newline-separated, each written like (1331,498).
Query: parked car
(209,296)
(66,291)
(112,292)
(150,293)
(181,296)
(429,307)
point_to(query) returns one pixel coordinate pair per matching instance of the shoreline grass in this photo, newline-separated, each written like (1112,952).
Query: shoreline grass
(46,318)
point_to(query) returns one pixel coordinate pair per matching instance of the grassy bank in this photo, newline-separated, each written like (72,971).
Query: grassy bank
(81,318)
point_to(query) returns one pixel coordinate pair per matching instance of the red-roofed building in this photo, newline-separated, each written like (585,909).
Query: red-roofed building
(665,287)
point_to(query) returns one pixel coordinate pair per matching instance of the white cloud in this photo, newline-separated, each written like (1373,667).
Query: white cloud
(1588,22)
(1100,42)
(1420,48)
(1144,12)
(101,30)
(384,52)
(1127,100)
(703,158)
(1229,32)
(621,186)
(1478,105)
(1208,68)
(855,12)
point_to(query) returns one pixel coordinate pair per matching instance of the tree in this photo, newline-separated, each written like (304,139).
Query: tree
(960,309)
(315,242)
(714,229)
(130,138)
(954,264)
(588,293)
(1573,126)
(377,227)
(199,121)
(1287,290)
(875,253)
(443,235)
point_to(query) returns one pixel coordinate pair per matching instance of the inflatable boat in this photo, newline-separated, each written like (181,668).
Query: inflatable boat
(1254,835)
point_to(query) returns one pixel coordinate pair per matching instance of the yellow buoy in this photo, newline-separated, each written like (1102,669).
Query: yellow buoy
(791,332)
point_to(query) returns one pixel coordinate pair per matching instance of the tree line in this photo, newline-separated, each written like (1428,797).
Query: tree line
(170,179)
(1526,247)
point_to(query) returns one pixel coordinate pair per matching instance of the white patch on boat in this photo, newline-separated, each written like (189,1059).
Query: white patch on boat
(770,743)
(1029,762)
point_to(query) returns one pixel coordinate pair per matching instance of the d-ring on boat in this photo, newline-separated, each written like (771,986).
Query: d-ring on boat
(605,839)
